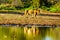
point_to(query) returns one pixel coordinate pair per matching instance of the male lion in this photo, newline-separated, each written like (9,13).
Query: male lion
(32,12)
(29,12)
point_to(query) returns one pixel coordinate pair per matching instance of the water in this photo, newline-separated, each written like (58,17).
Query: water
(29,33)
(29,25)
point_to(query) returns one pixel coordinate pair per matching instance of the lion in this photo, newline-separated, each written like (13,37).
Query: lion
(36,12)
(26,12)
(29,12)
(32,12)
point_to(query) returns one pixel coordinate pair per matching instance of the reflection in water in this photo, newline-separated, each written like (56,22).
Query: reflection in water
(48,38)
(29,33)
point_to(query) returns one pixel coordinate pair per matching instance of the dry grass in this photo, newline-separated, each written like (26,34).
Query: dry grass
(18,19)
(48,12)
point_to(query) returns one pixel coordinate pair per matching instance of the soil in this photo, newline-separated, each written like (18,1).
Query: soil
(22,19)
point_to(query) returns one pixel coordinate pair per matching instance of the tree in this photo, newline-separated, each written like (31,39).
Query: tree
(17,3)
(36,3)
(27,3)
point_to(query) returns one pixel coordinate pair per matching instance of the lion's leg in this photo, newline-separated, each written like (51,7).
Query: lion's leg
(38,12)
(32,15)
(26,12)
(35,13)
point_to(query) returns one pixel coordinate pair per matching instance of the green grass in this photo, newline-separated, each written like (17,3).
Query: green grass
(14,9)
(53,9)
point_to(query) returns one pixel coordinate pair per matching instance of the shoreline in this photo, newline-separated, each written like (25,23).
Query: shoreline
(19,19)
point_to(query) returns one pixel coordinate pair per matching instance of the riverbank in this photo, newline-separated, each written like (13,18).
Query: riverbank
(19,19)
(11,11)
(22,12)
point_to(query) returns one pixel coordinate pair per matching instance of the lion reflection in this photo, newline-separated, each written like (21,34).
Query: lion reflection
(31,31)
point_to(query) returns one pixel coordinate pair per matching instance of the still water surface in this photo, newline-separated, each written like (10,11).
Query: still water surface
(29,33)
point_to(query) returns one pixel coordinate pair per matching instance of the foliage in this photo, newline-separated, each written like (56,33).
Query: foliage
(49,5)
(31,7)
(2,7)
(36,3)
(54,9)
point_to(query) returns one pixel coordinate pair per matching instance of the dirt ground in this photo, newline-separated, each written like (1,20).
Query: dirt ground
(21,19)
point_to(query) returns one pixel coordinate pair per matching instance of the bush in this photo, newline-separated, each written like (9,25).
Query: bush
(31,7)
(54,9)
(51,9)
(45,8)
(8,7)
(58,10)
(3,7)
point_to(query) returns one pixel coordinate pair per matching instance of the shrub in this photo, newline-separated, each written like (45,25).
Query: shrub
(9,8)
(52,9)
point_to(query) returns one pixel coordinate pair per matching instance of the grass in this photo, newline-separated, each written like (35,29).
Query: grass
(11,8)
(13,18)
(19,19)
(53,9)
(12,11)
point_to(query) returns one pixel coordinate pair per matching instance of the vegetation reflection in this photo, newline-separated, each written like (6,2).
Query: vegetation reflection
(29,33)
